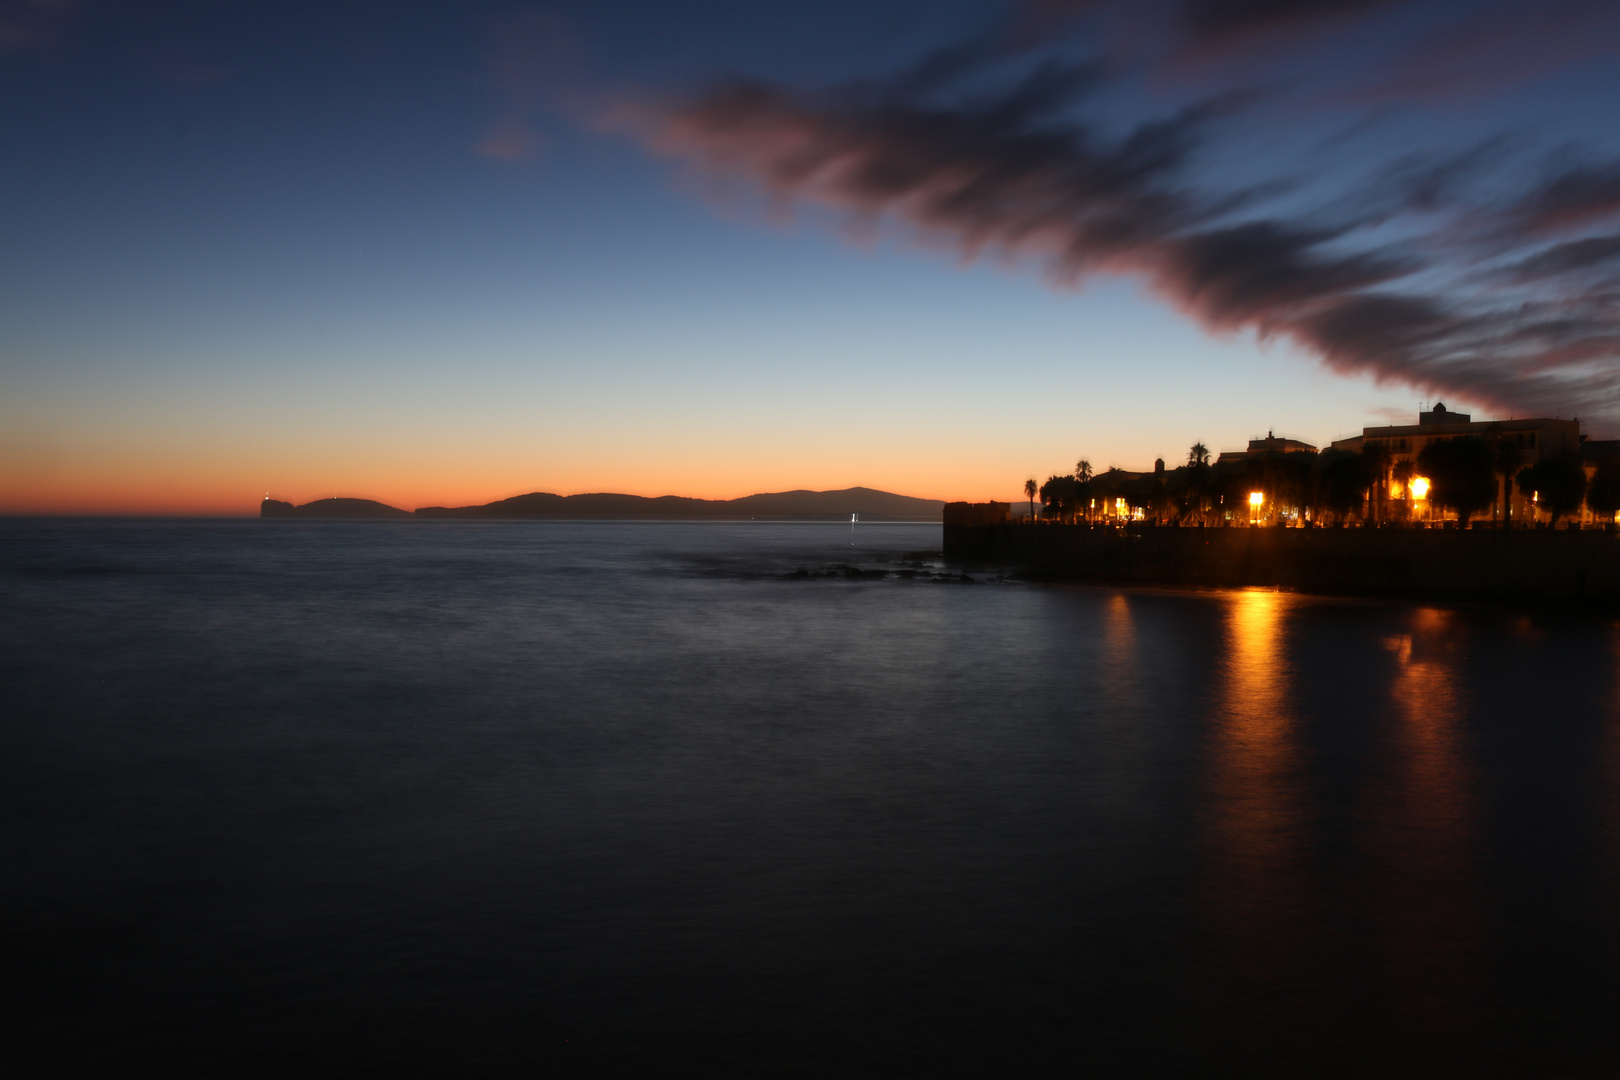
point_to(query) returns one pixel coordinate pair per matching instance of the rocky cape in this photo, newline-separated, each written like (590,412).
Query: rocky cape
(341,509)
(605,506)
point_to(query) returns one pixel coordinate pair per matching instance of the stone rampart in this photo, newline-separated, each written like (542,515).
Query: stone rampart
(1476,564)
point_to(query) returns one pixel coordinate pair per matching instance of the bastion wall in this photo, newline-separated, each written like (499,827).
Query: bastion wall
(1476,564)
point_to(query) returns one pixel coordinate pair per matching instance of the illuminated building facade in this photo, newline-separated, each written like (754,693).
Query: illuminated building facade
(1534,439)
(1271,444)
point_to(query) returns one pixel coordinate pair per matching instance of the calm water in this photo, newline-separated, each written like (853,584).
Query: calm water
(570,798)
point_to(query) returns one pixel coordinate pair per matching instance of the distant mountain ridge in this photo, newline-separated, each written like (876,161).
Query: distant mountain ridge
(607,506)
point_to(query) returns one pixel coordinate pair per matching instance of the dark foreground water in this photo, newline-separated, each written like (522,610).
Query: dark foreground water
(558,799)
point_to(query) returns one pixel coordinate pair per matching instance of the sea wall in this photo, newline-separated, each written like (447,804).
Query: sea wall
(985,513)
(1476,564)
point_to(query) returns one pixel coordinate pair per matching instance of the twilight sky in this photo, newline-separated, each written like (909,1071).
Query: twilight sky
(446,253)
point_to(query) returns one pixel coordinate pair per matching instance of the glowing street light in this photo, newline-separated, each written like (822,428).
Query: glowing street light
(1420,489)
(1256,500)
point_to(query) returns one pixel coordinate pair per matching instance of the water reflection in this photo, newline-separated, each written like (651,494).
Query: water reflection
(882,829)
(1255,753)
(1422,822)
(1257,816)
(1119,656)
(1609,782)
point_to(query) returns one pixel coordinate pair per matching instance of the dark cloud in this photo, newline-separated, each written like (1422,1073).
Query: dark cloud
(1219,19)
(1514,358)
(1570,257)
(1034,171)
(1574,198)
(1481,47)
(1412,49)
(1262,274)
(1429,181)
(990,174)
(1206,20)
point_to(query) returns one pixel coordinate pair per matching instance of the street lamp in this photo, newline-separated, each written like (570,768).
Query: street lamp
(1256,500)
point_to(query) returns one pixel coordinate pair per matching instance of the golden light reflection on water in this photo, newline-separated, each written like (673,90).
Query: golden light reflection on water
(1256,811)
(1119,655)
(1269,899)
(1254,750)
(1421,812)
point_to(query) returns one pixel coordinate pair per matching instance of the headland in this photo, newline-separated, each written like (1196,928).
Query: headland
(868,503)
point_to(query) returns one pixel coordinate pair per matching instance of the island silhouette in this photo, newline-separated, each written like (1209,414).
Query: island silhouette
(609,506)
(330,508)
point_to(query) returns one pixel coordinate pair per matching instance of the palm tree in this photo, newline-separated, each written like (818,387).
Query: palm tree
(1082,473)
(1508,456)
(1198,479)
(1029,491)
(1375,459)
(1402,473)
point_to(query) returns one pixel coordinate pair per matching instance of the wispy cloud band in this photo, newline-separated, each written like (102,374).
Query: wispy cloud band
(1509,300)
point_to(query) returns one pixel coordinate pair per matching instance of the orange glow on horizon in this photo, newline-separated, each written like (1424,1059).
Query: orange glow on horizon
(225,472)
(203,492)
(155,455)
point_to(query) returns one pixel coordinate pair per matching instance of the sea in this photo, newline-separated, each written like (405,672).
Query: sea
(781,800)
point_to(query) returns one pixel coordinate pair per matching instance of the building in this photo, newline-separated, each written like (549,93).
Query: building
(1268,445)
(1282,481)
(1535,439)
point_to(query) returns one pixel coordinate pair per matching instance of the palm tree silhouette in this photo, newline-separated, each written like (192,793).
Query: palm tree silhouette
(1507,456)
(1198,478)
(1029,492)
(1375,460)
(1402,472)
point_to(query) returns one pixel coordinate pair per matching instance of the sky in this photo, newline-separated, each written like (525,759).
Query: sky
(441,254)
